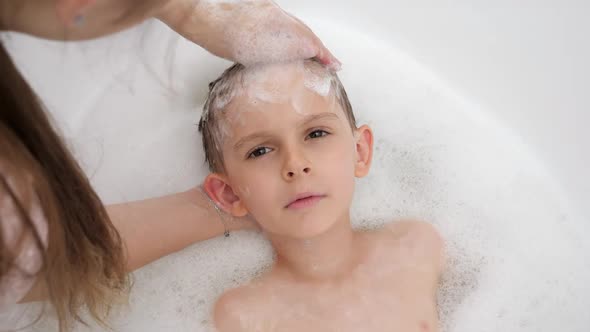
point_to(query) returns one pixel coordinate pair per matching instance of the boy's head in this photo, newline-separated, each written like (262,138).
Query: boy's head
(282,144)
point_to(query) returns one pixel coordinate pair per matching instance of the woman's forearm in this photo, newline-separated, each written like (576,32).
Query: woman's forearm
(156,227)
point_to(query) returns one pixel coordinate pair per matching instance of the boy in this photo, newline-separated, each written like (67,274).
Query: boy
(283,146)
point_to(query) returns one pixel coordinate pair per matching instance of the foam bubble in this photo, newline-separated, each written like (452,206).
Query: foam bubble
(317,80)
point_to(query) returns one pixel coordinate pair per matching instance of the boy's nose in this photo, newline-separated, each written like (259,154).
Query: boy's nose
(292,174)
(295,166)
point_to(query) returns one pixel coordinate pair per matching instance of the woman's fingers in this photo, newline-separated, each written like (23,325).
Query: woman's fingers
(320,51)
(326,58)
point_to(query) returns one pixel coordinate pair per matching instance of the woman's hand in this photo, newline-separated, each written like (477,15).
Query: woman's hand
(247,32)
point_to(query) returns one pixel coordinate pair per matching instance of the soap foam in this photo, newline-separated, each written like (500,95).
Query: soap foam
(515,261)
(267,82)
(260,31)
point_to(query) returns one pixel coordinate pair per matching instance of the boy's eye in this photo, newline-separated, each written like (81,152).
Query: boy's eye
(318,133)
(259,152)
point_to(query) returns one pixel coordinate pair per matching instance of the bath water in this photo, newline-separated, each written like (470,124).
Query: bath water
(517,259)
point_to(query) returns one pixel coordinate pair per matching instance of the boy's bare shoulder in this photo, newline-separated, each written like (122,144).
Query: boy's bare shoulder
(421,239)
(413,229)
(230,307)
(237,308)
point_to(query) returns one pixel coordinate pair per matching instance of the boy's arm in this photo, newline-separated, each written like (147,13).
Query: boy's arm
(156,227)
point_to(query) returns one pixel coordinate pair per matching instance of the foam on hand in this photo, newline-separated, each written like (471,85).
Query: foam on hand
(261,31)
(516,259)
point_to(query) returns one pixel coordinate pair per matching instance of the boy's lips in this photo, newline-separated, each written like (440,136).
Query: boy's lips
(304,200)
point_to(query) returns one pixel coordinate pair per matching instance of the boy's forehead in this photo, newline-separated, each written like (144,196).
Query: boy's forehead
(269,74)
(277,91)
(295,107)
(276,72)
(276,83)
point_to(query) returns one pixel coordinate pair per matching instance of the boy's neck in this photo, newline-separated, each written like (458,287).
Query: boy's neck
(330,255)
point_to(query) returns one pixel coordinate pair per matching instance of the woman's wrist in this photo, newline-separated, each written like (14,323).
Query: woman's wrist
(186,17)
(217,215)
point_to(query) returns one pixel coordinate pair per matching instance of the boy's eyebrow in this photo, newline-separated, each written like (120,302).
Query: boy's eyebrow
(251,137)
(311,118)
(266,134)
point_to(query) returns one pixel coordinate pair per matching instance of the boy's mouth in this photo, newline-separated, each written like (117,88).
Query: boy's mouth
(304,200)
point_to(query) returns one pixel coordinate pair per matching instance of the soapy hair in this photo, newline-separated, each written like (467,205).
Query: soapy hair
(226,87)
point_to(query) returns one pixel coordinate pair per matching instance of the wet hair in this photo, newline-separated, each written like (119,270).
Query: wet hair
(84,265)
(223,89)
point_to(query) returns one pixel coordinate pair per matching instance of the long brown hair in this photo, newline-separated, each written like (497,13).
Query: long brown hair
(84,264)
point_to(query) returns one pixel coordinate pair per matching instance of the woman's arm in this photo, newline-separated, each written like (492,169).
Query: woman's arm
(242,31)
(156,227)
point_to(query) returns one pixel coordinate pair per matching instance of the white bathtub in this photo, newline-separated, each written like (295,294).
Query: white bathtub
(517,74)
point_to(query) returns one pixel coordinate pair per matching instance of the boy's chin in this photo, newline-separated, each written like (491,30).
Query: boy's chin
(307,232)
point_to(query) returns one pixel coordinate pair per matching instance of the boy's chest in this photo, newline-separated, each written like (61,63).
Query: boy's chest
(375,302)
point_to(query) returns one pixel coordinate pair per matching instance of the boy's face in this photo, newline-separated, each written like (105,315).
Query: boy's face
(290,154)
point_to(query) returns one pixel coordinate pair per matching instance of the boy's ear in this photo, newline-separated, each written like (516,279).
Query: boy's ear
(223,195)
(364,150)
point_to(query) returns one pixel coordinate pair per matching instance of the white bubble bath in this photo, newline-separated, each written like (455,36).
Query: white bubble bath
(518,257)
